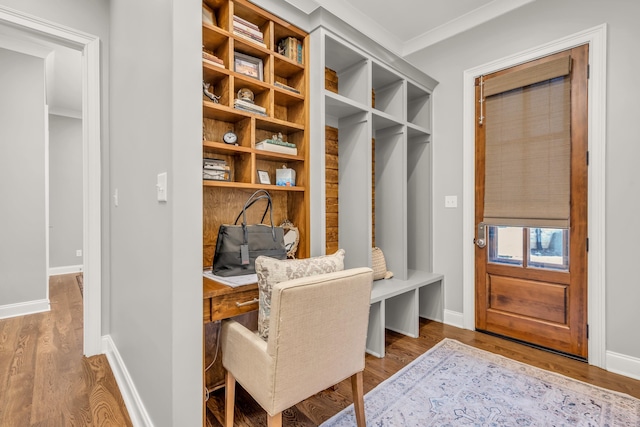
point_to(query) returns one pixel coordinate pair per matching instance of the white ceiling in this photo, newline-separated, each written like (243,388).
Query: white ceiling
(407,26)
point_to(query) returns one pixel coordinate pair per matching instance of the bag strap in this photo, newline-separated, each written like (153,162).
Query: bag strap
(248,204)
(258,195)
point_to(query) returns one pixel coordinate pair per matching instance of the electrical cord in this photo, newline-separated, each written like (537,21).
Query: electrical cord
(215,357)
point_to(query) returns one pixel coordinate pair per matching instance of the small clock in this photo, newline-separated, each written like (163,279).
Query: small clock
(230,138)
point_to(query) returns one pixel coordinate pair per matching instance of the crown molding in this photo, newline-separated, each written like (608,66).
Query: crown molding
(461,24)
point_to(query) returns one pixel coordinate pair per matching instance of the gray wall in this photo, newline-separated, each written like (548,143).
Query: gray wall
(156,277)
(65,191)
(535,24)
(23,267)
(90,16)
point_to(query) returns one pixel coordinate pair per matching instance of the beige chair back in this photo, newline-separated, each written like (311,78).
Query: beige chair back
(318,330)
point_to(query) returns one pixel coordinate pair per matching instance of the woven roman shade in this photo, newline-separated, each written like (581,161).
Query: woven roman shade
(528,147)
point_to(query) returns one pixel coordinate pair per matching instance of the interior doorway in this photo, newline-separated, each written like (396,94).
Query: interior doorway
(37,29)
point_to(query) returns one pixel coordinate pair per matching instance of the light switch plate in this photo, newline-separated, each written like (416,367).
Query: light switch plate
(450,201)
(161,187)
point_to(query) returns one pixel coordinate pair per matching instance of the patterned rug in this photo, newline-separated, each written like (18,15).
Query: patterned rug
(456,385)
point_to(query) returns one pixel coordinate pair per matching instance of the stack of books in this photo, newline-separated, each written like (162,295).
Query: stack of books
(277,146)
(215,170)
(291,47)
(284,86)
(248,106)
(248,30)
(210,58)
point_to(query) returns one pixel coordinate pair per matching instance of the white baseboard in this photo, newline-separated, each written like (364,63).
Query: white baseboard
(623,365)
(137,412)
(454,318)
(24,308)
(56,271)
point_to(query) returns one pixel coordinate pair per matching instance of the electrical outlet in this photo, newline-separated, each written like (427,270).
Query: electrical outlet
(79,252)
(450,201)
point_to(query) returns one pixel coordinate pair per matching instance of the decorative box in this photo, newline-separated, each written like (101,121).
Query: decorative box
(285,177)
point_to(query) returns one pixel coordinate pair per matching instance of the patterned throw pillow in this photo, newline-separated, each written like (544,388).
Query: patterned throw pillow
(272,271)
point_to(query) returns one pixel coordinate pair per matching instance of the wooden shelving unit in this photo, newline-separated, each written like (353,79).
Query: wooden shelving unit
(287,112)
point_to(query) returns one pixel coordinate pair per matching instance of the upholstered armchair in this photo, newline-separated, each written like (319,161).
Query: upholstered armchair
(317,337)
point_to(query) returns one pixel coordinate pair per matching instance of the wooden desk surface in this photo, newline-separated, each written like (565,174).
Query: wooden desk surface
(222,301)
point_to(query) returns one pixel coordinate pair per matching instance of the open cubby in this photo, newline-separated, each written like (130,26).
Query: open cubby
(418,106)
(351,69)
(391,196)
(388,89)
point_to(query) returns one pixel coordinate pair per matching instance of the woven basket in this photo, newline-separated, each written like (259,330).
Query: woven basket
(379,265)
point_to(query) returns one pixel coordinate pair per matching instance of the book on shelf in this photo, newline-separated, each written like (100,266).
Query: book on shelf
(277,147)
(215,170)
(249,38)
(217,64)
(249,110)
(243,21)
(242,25)
(211,57)
(249,105)
(248,30)
(292,48)
(284,86)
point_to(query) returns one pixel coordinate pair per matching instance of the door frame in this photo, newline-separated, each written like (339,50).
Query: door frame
(89,46)
(596,37)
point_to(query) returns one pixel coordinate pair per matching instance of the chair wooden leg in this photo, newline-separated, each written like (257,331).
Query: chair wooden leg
(275,420)
(358,398)
(230,397)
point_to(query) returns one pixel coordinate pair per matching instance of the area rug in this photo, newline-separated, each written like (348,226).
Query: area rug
(456,385)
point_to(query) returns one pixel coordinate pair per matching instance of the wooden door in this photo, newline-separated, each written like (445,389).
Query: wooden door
(531,281)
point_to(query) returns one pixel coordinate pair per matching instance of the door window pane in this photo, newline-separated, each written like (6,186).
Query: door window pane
(505,245)
(549,248)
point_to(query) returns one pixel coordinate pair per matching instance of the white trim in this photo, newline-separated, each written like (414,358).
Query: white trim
(596,38)
(47,234)
(24,308)
(91,192)
(89,45)
(623,365)
(454,318)
(67,269)
(65,112)
(133,402)
(461,24)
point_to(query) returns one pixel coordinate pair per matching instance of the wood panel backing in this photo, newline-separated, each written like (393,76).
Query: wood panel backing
(331,189)
(373,191)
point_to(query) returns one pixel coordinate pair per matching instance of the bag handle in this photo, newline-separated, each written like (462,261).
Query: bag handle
(258,195)
(250,203)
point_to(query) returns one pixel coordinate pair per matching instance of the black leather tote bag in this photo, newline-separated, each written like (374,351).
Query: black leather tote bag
(238,246)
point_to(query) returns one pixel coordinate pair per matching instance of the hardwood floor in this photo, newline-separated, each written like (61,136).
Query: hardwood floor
(401,350)
(44,378)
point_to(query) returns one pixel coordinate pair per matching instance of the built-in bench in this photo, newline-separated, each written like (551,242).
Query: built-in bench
(397,305)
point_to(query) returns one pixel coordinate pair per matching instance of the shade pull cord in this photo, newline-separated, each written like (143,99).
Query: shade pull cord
(481,119)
